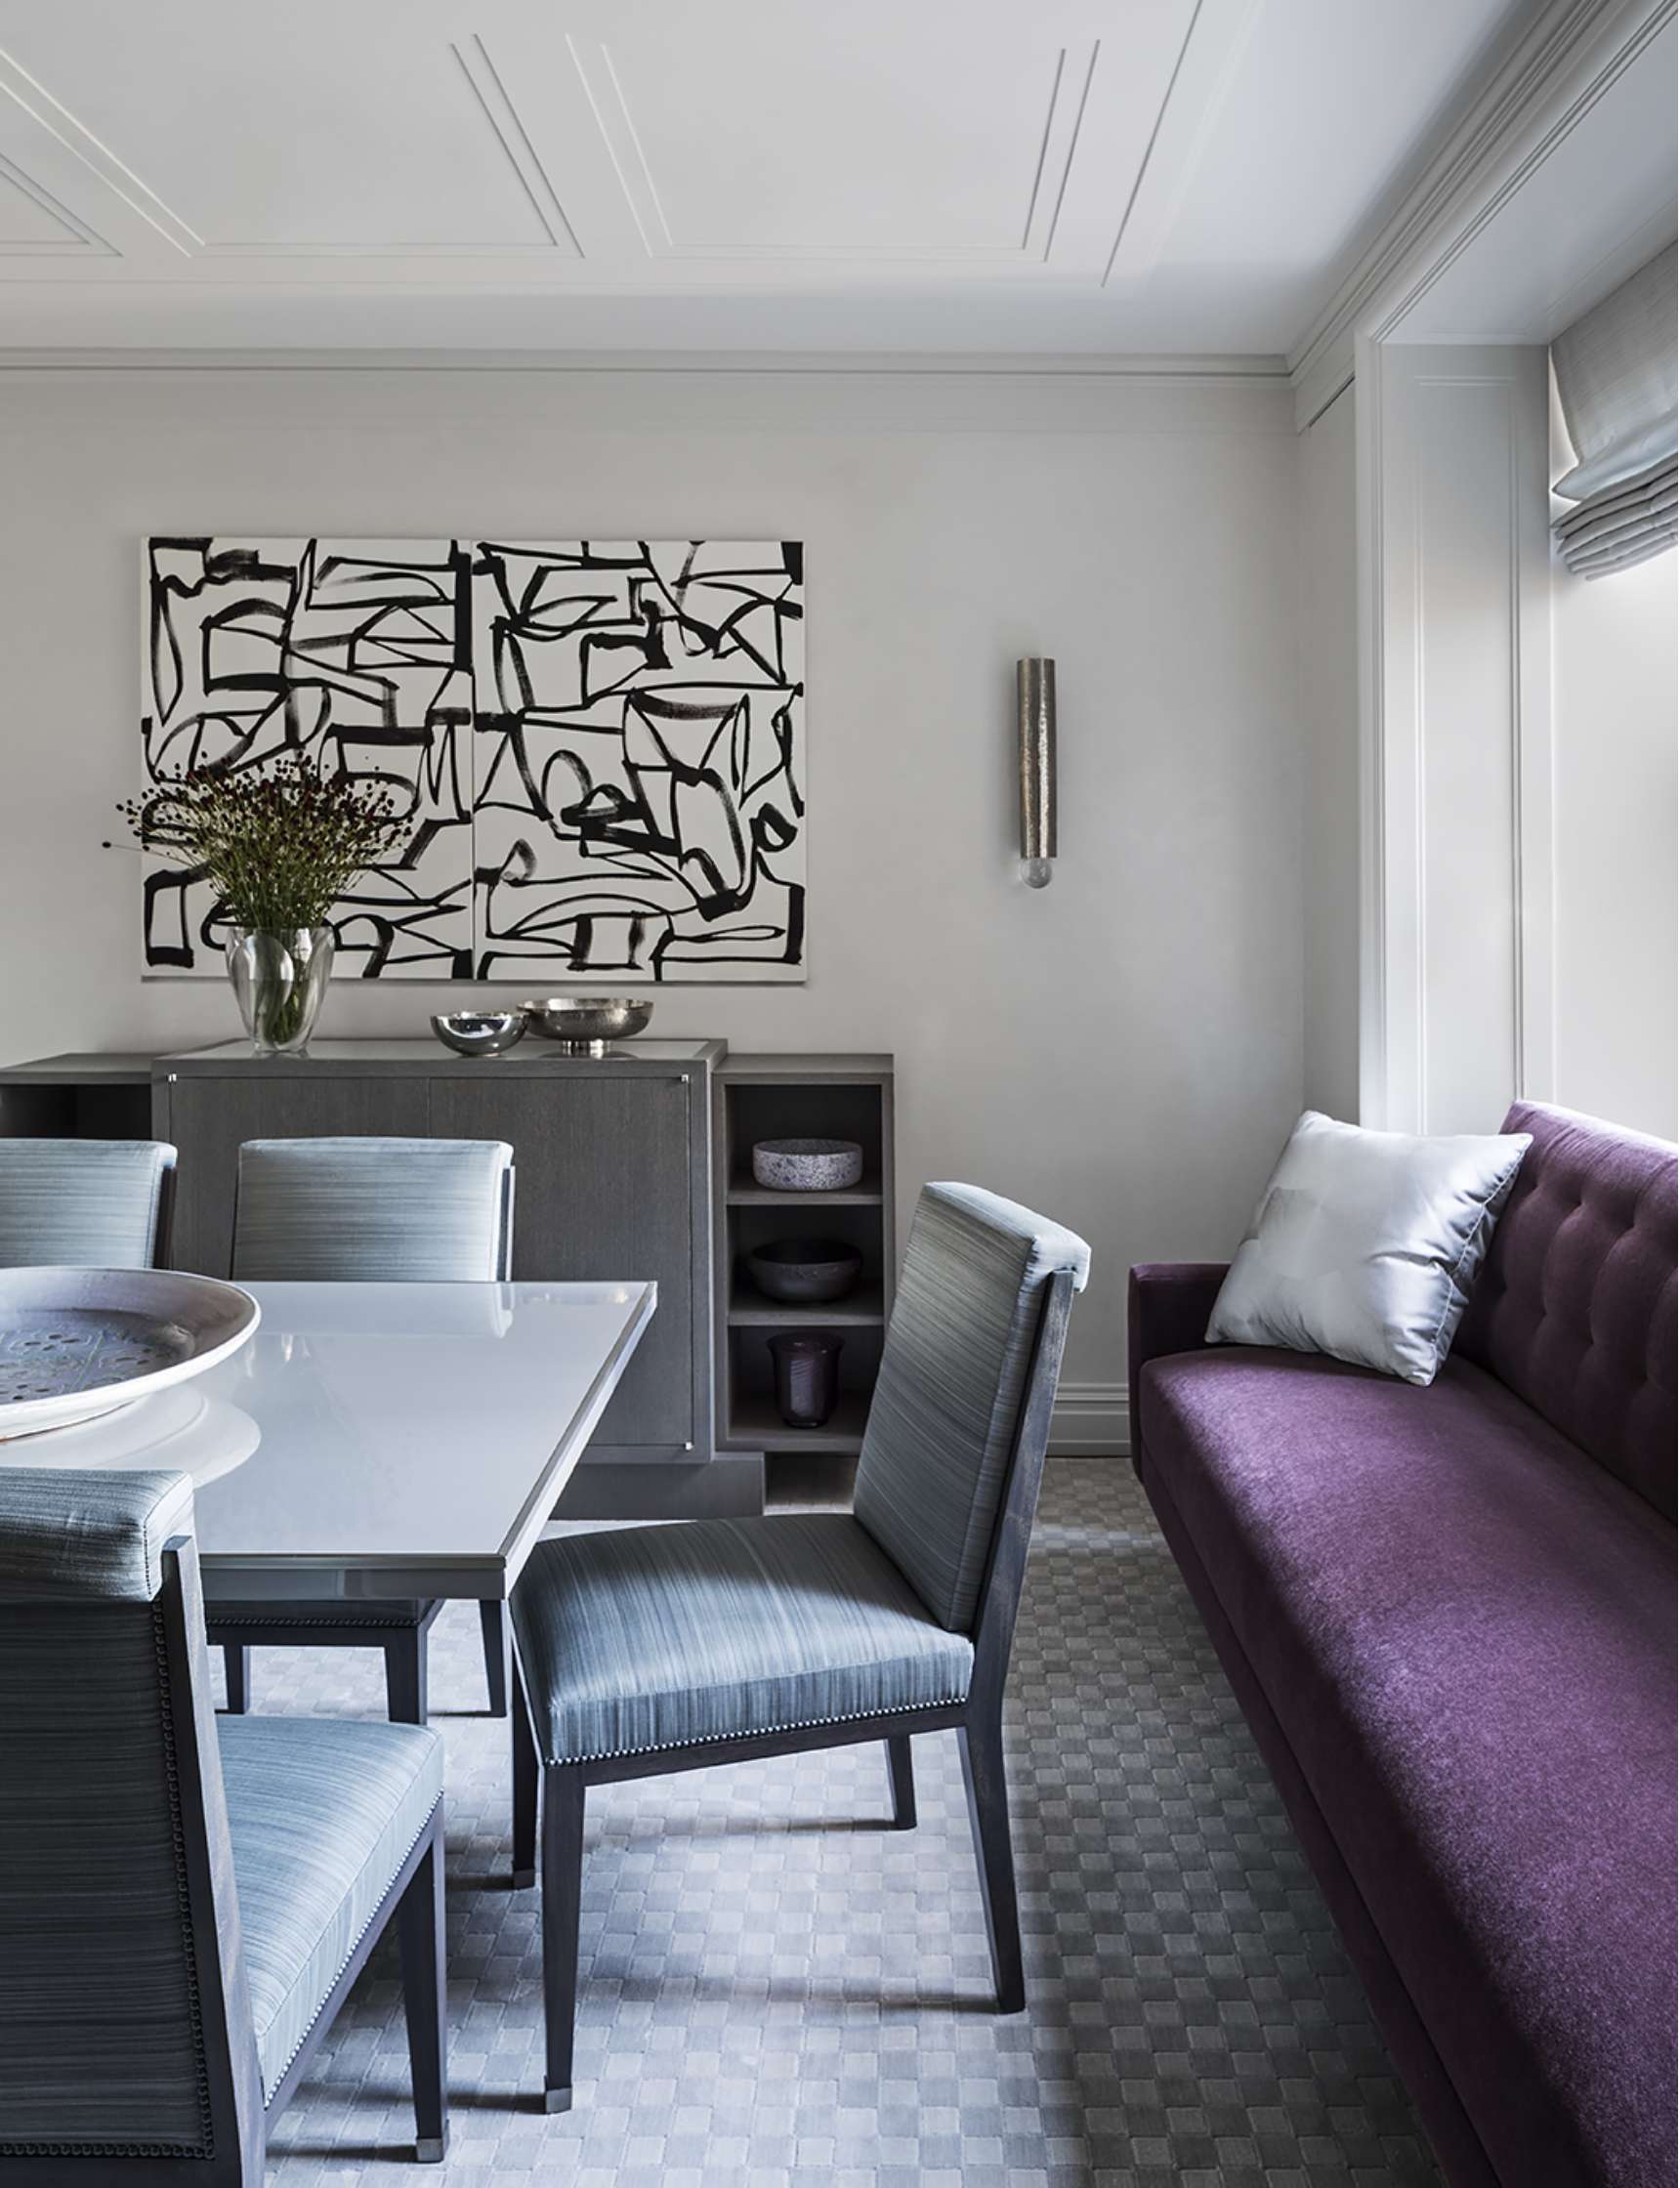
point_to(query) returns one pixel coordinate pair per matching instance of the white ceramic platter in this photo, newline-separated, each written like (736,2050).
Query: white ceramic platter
(75,1343)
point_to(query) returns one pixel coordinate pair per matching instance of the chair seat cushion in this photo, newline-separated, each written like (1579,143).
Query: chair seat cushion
(323,1812)
(649,1638)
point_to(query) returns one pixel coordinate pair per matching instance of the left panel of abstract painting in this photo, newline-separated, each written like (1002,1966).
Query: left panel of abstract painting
(356,653)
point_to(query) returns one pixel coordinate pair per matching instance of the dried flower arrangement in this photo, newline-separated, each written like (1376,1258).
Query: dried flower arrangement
(277,848)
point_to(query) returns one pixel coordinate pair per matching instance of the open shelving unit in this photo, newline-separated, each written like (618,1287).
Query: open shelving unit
(799,1097)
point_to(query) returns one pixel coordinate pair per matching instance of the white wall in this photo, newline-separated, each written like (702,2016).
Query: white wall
(1328,637)
(1456,977)
(1614,712)
(1123,1050)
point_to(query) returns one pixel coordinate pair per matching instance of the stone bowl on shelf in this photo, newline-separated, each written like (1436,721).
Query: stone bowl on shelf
(805,1272)
(807,1166)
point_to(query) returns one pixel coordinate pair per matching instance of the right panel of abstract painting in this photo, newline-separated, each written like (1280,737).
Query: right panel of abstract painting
(638,757)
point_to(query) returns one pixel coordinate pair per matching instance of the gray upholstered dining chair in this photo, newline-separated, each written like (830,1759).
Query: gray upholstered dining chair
(650,1649)
(85,1203)
(185,1901)
(367,1211)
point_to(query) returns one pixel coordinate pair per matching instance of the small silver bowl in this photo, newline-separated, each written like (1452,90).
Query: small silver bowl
(480,1033)
(585,1025)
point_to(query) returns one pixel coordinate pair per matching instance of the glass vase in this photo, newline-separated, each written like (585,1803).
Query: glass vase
(278,981)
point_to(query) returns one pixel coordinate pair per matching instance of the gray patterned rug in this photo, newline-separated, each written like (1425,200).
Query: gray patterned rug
(780,1994)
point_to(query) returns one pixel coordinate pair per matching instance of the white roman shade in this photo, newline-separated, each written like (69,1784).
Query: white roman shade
(1615,376)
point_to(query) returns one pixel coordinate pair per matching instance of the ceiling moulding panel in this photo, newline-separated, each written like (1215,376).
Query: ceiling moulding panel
(1201,77)
(1043,153)
(503,118)
(33,225)
(492,102)
(1550,75)
(62,162)
(440,170)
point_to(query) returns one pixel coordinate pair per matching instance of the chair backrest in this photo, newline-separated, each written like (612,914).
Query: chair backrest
(85,1203)
(125,2020)
(374,1210)
(945,1421)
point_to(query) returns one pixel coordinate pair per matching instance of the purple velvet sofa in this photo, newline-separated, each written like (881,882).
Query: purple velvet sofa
(1450,1618)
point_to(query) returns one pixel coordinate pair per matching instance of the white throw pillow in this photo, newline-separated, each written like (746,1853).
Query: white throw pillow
(1364,1245)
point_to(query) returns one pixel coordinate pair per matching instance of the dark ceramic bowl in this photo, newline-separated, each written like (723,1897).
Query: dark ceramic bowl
(805,1272)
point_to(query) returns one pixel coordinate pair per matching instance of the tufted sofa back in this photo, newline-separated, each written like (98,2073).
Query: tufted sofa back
(1574,1306)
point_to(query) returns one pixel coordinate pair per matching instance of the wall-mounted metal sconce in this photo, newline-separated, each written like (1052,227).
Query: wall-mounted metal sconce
(1035,710)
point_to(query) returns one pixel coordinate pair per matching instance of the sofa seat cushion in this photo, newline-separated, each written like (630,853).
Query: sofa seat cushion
(1466,1630)
(323,1812)
(646,1637)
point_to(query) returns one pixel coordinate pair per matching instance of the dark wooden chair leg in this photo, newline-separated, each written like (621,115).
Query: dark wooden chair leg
(420,1939)
(498,1647)
(525,1789)
(238,1663)
(561,1899)
(901,1772)
(982,1746)
(406,1676)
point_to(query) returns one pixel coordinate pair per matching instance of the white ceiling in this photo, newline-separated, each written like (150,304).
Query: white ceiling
(1590,215)
(1185,176)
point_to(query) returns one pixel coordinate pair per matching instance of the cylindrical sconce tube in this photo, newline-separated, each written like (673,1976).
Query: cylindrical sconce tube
(1035,710)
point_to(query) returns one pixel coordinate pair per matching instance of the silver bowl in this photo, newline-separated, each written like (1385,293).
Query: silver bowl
(584,1025)
(480,1033)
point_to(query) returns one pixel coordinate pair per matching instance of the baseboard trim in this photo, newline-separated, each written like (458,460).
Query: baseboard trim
(1091,1417)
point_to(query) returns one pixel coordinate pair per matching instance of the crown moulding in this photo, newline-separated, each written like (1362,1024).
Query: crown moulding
(1542,84)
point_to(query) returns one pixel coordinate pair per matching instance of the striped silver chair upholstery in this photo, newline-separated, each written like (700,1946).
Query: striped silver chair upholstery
(184,1902)
(373,1211)
(85,1203)
(366,1211)
(641,1651)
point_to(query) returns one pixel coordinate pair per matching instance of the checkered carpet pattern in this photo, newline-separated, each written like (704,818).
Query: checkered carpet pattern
(779,1993)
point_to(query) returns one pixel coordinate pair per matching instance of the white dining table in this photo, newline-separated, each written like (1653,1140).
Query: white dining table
(378,1440)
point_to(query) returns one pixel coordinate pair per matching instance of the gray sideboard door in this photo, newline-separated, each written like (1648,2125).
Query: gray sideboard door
(606,1179)
(207,1116)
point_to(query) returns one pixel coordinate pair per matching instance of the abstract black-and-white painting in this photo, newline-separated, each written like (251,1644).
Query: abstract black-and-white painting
(599,745)
(358,654)
(638,806)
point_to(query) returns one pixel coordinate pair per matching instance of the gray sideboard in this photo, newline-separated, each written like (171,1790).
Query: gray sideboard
(610,1156)
(627,1165)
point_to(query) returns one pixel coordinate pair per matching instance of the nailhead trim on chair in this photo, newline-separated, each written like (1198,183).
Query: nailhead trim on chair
(338,1626)
(205,2147)
(711,1738)
(350,1949)
(172,1778)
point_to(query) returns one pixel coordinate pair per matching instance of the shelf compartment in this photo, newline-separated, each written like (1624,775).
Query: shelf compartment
(755,1424)
(752,1421)
(811,1112)
(809,1481)
(743,1193)
(801,1098)
(749,1309)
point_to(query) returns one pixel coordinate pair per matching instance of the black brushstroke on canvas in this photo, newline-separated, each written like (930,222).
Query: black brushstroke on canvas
(639,810)
(360,663)
(597,743)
